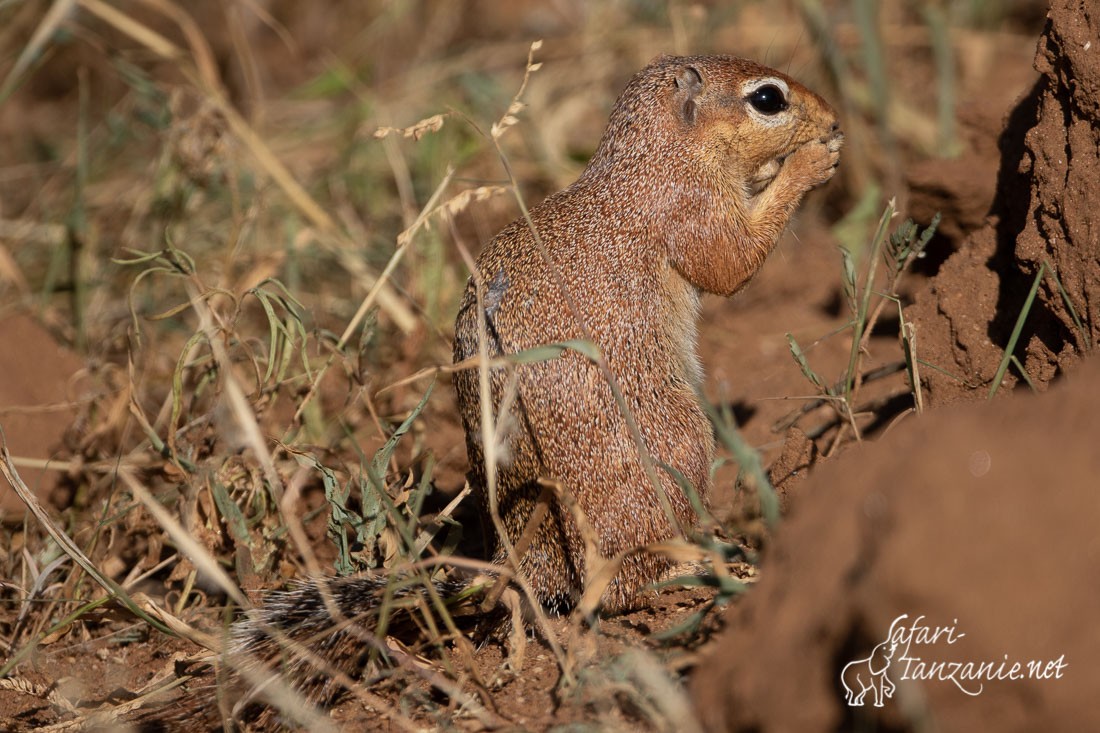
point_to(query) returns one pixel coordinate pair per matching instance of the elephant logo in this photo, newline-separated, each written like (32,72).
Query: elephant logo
(869,675)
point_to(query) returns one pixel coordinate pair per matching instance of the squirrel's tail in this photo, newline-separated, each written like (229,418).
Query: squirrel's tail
(305,645)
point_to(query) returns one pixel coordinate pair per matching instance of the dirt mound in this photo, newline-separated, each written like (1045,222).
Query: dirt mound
(964,520)
(35,404)
(1043,216)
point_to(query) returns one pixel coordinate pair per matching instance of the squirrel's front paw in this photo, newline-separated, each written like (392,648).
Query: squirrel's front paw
(816,161)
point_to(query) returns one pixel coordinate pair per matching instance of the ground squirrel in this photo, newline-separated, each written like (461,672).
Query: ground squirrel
(704,161)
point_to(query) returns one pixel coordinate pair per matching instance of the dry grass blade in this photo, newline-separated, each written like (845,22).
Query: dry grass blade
(406,236)
(275,690)
(428,534)
(599,571)
(675,708)
(377,289)
(144,35)
(275,168)
(201,53)
(51,21)
(177,625)
(44,233)
(402,241)
(509,119)
(908,336)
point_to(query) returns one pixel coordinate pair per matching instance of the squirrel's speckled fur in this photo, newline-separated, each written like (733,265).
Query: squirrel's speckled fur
(665,209)
(689,191)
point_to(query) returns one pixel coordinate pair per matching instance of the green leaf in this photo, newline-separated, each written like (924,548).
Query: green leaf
(548,352)
(382,457)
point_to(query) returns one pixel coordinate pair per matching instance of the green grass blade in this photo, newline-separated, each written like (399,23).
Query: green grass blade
(1085,335)
(1011,347)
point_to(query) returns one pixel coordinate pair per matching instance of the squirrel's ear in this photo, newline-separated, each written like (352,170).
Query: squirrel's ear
(689,84)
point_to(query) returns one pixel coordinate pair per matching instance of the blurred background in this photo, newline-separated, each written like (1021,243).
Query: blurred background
(110,136)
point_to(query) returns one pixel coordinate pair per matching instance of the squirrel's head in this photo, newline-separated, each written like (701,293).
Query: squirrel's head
(711,155)
(736,119)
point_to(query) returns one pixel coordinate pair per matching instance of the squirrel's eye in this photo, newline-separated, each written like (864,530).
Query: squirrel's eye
(768,99)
